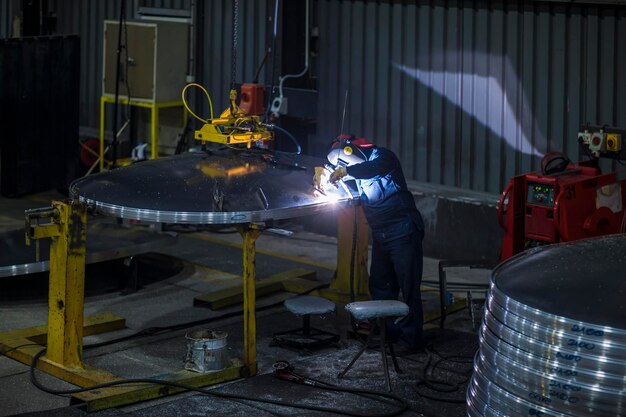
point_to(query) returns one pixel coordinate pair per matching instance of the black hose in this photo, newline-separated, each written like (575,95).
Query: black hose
(293,139)
(441,386)
(114,143)
(151,331)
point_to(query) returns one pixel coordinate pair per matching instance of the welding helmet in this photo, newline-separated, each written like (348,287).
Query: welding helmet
(347,150)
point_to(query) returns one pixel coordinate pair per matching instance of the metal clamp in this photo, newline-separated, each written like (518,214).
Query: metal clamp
(38,231)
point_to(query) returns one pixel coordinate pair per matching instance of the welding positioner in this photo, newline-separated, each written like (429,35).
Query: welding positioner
(566,201)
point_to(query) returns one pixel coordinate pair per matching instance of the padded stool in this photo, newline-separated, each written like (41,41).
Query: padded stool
(379,310)
(307,337)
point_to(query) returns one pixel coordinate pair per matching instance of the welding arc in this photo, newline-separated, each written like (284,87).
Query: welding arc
(402,404)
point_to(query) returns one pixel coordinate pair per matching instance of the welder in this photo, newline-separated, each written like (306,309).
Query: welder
(396,225)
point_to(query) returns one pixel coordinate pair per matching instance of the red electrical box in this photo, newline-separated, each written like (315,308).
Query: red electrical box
(252,99)
(575,203)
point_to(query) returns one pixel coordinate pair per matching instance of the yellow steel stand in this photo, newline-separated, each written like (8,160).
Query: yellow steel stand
(116,396)
(154,108)
(66,297)
(339,290)
(65,330)
(250,233)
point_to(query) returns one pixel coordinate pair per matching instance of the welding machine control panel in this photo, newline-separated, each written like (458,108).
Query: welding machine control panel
(540,194)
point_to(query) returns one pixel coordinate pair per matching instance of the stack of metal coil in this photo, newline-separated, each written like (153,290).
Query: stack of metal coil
(553,338)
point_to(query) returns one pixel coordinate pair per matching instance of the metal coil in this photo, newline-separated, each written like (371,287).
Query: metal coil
(600,346)
(553,337)
(557,323)
(549,366)
(505,403)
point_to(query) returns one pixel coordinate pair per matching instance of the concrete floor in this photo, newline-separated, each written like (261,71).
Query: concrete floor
(204,261)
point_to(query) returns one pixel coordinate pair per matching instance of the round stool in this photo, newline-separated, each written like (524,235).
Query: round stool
(307,337)
(379,310)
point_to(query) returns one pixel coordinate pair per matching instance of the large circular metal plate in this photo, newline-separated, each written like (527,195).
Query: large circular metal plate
(553,338)
(106,242)
(582,281)
(223,186)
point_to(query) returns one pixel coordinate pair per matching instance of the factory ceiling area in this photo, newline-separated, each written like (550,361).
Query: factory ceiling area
(312,208)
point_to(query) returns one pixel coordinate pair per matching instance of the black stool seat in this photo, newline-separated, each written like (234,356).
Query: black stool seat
(307,337)
(379,310)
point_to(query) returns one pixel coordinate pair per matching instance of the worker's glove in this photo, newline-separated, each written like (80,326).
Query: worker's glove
(338,174)
(318,179)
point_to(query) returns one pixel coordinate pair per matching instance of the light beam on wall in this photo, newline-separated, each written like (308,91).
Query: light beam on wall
(489,104)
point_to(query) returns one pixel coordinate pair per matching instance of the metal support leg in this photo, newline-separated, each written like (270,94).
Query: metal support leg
(443,289)
(249,234)
(67,286)
(341,288)
(154,131)
(383,342)
(306,324)
(358,355)
(394,359)
(102,110)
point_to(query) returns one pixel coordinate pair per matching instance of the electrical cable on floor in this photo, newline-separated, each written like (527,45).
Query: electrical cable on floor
(159,330)
(428,380)
(151,331)
(19,347)
(16,348)
(402,404)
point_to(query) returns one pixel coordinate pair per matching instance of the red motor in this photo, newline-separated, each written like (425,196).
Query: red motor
(252,99)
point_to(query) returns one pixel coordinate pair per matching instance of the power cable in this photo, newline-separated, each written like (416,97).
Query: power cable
(428,380)
(273,64)
(388,398)
(151,331)
(290,136)
(153,381)
(117,81)
(255,80)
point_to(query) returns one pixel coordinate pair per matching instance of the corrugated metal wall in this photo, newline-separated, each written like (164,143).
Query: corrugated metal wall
(5,18)
(469,93)
(86,19)
(217,56)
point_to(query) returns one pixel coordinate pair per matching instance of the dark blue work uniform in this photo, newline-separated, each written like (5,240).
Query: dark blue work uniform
(397,232)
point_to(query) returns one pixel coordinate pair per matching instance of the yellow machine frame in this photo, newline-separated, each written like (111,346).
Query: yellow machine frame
(154,108)
(233,127)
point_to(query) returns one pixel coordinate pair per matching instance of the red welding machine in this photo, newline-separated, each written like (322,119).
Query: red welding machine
(562,203)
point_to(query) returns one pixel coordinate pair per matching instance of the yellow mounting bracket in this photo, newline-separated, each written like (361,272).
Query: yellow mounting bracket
(234,127)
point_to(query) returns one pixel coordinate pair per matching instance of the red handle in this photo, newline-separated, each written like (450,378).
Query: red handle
(506,192)
(556,217)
